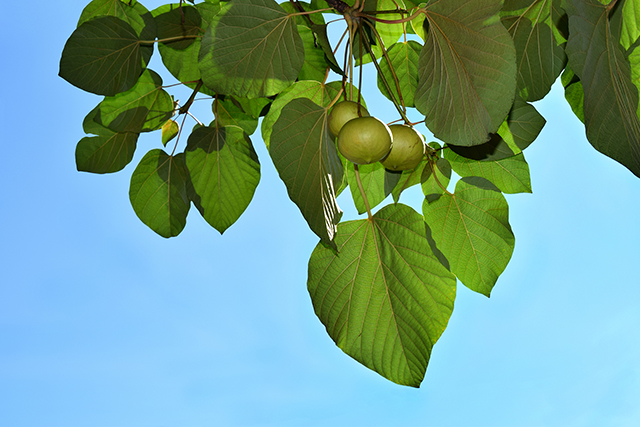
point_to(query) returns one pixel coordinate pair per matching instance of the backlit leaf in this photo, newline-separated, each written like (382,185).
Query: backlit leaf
(105,153)
(471,228)
(384,298)
(404,61)
(158,192)
(224,173)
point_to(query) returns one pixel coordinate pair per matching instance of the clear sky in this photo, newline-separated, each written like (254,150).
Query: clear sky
(104,323)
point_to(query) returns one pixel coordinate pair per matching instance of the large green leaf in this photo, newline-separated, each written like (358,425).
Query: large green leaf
(404,61)
(103,56)
(540,56)
(471,228)
(251,49)
(143,108)
(224,172)
(307,160)
(135,15)
(610,97)
(384,297)
(467,69)
(106,153)
(510,175)
(158,192)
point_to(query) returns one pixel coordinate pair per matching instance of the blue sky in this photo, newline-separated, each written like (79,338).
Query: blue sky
(104,323)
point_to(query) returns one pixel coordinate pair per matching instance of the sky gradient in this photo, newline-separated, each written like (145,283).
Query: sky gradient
(104,323)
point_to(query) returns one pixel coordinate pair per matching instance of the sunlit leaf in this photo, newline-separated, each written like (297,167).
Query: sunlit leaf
(158,192)
(103,56)
(169,131)
(404,61)
(435,179)
(307,161)
(145,107)
(467,69)
(229,112)
(224,172)
(471,228)
(373,179)
(384,298)
(252,49)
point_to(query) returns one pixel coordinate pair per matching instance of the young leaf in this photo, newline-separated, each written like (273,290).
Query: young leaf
(143,108)
(404,61)
(103,56)
(384,298)
(105,153)
(471,228)
(467,71)
(540,57)
(158,192)
(307,160)
(610,98)
(169,131)
(251,49)
(224,172)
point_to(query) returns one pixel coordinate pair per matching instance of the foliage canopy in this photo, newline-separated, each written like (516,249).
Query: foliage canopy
(384,286)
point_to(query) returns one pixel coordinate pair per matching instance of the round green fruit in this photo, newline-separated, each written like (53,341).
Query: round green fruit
(408,149)
(343,112)
(365,140)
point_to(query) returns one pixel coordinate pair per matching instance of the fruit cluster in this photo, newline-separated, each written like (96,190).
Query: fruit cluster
(363,139)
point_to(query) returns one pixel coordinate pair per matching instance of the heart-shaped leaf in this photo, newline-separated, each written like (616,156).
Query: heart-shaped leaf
(384,298)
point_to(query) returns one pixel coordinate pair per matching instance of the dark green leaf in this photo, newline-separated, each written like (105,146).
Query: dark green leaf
(158,192)
(252,49)
(307,160)
(145,107)
(229,112)
(136,15)
(467,71)
(471,228)
(105,153)
(224,173)
(384,298)
(540,54)
(103,56)
(610,97)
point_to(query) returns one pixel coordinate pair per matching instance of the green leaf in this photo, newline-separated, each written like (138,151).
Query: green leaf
(540,57)
(317,92)
(105,153)
(181,57)
(384,298)
(307,161)
(229,112)
(516,133)
(373,177)
(407,179)
(169,131)
(510,175)
(224,172)
(435,179)
(135,15)
(404,61)
(158,192)
(610,97)
(467,71)
(471,228)
(573,93)
(103,56)
(143,108)
(252,49)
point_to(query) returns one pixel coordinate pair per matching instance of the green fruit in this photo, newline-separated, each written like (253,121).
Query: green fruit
(365,140)
(408,149)
(342,112)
